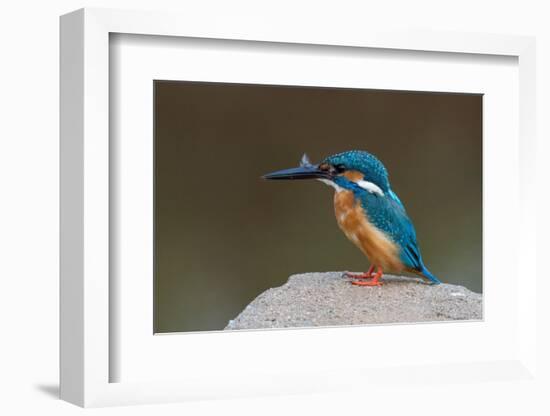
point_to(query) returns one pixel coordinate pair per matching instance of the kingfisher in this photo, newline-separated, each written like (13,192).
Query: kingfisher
(369,213)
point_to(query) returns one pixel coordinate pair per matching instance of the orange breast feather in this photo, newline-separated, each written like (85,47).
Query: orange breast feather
(354,222)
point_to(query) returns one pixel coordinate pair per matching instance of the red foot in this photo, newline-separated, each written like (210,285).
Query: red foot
(375,279)
(366,275)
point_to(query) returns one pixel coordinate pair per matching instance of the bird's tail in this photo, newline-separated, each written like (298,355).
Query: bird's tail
(428,275)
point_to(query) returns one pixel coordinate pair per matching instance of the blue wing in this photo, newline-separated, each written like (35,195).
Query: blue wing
(388,214)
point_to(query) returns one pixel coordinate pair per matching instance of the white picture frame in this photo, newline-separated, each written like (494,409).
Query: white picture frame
(87,355)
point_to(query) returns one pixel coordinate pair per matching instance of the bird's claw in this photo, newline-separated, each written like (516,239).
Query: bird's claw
(369,278)
(366,275)
(358,275)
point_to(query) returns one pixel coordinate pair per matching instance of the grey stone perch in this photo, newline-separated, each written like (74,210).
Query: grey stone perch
(328,299)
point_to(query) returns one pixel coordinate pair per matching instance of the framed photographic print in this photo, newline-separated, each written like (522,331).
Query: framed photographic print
(212,141)
(268,211)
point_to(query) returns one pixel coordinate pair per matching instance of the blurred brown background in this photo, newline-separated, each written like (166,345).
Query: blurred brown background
(223,235)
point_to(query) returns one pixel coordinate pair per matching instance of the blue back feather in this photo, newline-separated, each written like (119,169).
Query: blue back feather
(388,214)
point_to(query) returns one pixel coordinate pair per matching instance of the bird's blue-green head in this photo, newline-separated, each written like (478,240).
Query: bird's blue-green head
(347,170)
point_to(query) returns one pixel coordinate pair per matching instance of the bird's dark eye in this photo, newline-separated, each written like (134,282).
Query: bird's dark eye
(338,168)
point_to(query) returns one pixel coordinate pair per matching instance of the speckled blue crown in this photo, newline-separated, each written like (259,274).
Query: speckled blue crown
(364,162)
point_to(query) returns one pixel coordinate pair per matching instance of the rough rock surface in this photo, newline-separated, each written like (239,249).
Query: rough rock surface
(329,299)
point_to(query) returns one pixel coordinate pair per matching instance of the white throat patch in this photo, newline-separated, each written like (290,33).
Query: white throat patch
(330,183)
(370,187)
(366,185)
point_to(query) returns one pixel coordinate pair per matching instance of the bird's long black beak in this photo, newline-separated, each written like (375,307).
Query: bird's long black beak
(302,172)
(306,170)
